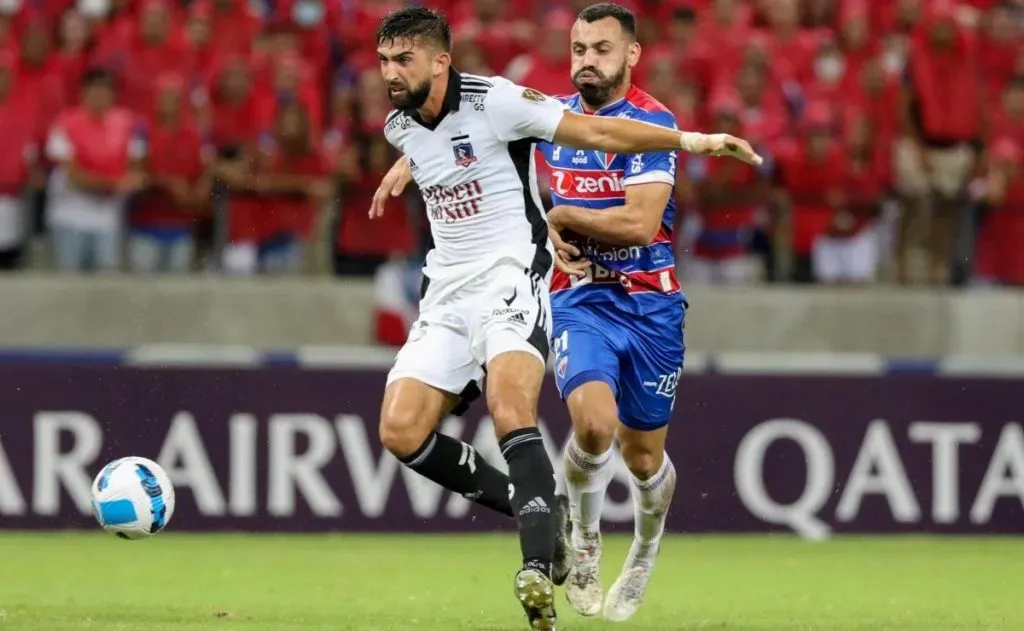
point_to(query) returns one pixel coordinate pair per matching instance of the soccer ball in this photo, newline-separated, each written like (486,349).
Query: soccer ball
(133,498)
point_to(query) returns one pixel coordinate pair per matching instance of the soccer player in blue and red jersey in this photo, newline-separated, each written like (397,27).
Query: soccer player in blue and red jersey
(618,326)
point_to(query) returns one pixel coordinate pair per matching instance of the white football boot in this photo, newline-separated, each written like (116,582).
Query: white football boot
(583,588)
(627,593)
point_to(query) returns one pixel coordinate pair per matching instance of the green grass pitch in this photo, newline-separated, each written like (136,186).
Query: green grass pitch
(188,582)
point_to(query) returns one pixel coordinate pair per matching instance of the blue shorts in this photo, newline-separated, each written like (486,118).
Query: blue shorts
(639,357)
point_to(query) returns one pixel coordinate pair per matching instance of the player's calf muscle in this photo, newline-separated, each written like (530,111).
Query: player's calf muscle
(643,452)
(513,388)
(410,412)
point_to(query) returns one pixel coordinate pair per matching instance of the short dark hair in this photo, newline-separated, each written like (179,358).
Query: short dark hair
(97,76)
(684,14)
(603,10)
(416,23)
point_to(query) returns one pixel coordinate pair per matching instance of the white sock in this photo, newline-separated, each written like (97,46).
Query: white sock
(586,480)
(651,499)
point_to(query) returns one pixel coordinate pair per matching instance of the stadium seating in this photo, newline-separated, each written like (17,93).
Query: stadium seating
(894,133)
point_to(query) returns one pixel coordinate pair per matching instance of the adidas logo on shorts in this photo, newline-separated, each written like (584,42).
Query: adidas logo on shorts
(517,318)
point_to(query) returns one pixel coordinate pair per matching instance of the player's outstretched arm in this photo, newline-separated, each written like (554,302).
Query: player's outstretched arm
(394,182)
(620,135)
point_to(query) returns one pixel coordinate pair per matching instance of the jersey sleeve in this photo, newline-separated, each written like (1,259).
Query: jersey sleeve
(644,168)
(516,112)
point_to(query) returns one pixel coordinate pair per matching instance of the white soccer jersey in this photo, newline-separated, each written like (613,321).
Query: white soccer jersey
(474,165)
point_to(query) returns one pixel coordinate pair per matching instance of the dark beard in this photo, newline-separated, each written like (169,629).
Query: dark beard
(598,94)
(412,99)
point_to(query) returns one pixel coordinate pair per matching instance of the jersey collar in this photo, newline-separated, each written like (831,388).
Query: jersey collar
(611,107)
(452,99)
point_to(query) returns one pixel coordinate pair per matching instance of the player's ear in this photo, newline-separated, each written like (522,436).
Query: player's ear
(633,54)
(442,61)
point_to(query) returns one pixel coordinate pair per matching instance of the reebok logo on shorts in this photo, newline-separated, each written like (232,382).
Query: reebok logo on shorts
(514,316)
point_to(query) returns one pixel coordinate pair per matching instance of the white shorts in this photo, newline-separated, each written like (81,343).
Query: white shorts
(849,259)
(458,332)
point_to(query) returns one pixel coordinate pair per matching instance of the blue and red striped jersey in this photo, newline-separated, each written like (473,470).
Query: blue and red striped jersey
(639,279)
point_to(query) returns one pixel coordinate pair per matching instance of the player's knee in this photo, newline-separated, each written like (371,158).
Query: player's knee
(643,463)
(402,433)
(509,416)
(594,430)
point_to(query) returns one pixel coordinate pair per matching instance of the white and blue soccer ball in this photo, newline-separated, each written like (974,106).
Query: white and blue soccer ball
(133,498)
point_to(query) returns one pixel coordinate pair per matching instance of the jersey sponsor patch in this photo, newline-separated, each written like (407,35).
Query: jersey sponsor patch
(589,184)
(532,95)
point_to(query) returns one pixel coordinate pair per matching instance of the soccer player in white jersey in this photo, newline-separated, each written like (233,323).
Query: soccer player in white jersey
(485,309)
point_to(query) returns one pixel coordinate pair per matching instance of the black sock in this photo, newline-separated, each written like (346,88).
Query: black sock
(533,495)
(457,467)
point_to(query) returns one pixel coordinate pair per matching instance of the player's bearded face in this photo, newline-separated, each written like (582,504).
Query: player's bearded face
(406,69)
(406,96)
(596,85)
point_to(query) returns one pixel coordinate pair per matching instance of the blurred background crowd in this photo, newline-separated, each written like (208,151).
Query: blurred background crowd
(245,137)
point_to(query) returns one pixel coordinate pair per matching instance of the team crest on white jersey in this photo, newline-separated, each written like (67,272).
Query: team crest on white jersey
(463,150)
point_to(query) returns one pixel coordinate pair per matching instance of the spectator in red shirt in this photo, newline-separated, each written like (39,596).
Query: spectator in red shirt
(289,79)
(197,34)
(288,183)
(829,77)
(7,38)
(791,49)
(763,108)
(679,93)
(876,95)
(360,19)
(727,21)
(848,252)
(999,258)
(74,39)
(546,68)
(18,161)
(730,196)
(39,71)
(810,173)
(229,108)
(371,101)
(361,244)
(855,36)
(236,26)
(98,153)
(1007,117)
(164,215)
(998,48)
(942,125)
(313,22)
(690,53)
(470,59)
(154,47)
(496,31)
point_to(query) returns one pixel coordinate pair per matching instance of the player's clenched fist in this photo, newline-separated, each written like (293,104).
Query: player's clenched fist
(392,185)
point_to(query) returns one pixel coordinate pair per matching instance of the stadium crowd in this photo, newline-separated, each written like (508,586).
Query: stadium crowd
(245,137)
